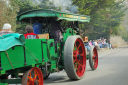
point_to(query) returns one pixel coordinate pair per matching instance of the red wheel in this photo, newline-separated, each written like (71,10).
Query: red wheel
(93,58)
(32,77)
(74,57)
(79,57)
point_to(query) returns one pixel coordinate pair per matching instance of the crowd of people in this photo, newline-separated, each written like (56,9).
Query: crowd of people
(99,44)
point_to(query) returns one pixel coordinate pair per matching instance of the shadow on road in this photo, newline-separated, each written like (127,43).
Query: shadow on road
(58,80)
(62,78)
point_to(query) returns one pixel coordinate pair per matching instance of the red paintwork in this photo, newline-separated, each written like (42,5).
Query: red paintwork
(80,64)
(36,76)
(95,58)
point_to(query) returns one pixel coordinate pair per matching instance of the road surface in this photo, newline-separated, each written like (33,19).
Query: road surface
(112,70)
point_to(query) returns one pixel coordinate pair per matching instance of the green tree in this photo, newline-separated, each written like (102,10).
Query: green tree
(8,13)
(25,5)
(106,16)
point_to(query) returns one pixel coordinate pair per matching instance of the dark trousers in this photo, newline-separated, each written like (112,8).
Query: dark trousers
(55,36)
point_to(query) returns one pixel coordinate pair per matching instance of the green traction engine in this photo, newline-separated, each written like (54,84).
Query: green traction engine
(32,62)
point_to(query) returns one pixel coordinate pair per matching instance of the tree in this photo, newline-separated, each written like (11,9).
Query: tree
(8,12)
(106,16)
(25,5)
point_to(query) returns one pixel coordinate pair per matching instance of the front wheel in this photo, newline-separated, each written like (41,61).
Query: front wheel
(33,76)
(93,58)
(74,57)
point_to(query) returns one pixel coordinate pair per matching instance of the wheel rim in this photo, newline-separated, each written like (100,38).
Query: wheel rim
(79,57)
(34,77)
(95,58)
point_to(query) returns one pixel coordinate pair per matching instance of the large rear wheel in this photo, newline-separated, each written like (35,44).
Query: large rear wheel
(93,58)
(74,57)
(32,77)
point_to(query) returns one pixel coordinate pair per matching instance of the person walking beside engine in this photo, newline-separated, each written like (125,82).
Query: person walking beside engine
(6,29)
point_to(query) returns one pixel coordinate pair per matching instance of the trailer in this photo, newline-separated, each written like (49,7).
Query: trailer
(32,60)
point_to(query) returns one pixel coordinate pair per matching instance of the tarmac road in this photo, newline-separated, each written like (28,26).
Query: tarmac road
(112,70)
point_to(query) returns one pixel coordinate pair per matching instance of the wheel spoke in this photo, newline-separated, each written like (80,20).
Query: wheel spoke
(76,65)
(78,47)
(28,83)
(80,64)
(78,71)
(39,81)
(75,56)
(82,54)
(75,60)
(31,79)
(33,75)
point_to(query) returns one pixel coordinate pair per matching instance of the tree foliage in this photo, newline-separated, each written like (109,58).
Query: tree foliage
(25,5)
(106,16)
(8,13)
